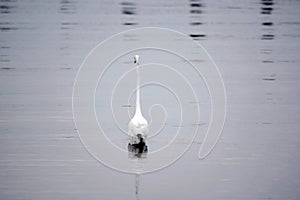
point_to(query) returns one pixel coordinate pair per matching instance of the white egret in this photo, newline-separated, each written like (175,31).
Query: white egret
(138,125)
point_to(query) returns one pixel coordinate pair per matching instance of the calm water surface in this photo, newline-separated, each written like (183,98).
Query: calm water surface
(256,45)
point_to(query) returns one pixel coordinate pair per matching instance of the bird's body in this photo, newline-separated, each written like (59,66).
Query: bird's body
(138,125)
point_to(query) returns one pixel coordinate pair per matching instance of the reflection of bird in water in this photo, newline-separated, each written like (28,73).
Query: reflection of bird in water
(138,125)
(137,185)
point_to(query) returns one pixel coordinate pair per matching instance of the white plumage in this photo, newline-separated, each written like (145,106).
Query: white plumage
(138,125)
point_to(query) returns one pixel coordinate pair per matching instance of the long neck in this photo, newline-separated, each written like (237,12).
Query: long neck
(137,103)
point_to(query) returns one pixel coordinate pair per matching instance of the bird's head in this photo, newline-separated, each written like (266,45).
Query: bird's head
(136,59)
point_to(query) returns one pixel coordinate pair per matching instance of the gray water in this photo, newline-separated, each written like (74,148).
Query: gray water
(255,44)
